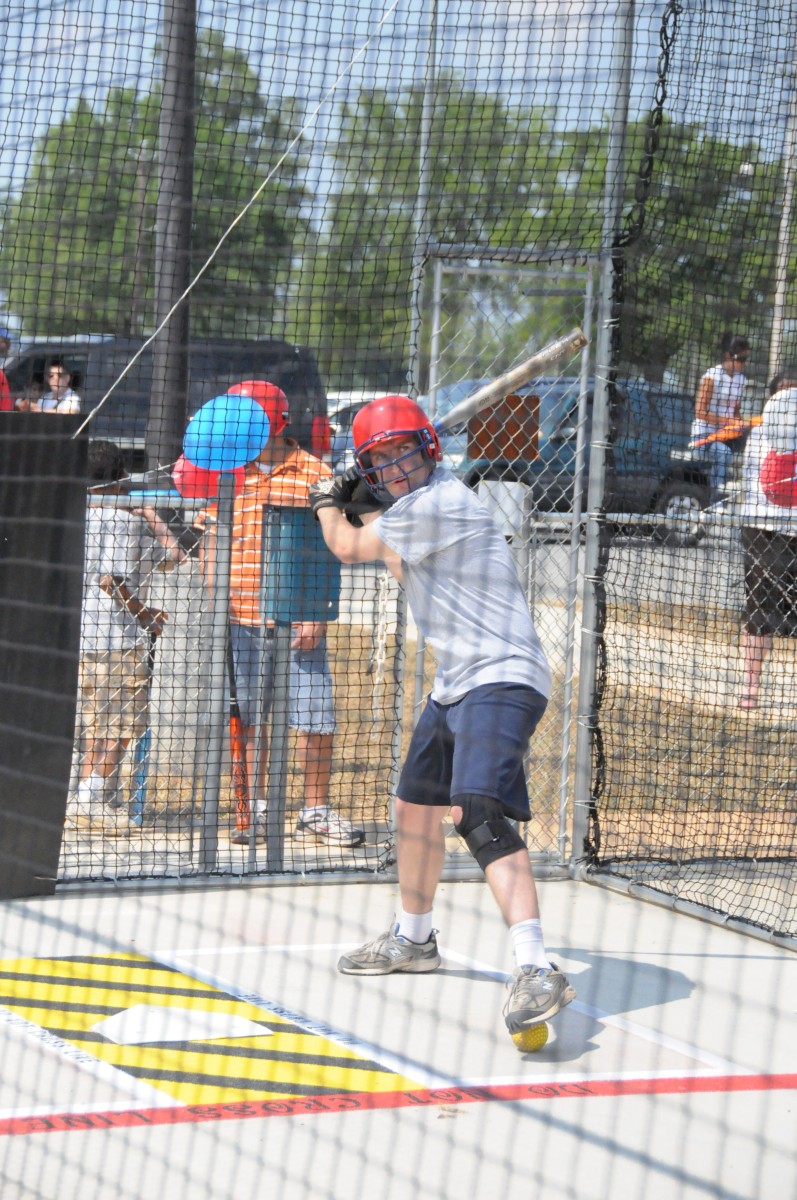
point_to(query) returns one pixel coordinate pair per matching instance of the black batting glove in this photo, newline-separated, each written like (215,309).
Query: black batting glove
(362,501)
(348,492)
(334,492)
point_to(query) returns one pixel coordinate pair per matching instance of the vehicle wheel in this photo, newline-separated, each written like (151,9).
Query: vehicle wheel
(681,504)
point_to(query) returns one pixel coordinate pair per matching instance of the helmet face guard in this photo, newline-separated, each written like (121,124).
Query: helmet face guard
(422,467)
(387,420)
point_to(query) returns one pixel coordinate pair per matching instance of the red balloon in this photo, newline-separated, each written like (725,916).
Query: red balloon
(779,479)
(196,483)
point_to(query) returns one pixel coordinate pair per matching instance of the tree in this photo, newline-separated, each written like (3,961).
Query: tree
(79,238)
(493,181)
(704,262)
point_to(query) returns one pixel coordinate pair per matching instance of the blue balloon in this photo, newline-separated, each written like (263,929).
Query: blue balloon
(225,433)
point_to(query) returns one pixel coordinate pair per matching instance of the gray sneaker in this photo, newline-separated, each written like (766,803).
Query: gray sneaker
(390,953)
(535,994)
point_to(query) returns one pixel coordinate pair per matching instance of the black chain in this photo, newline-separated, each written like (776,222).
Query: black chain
(630,233)
(667,35)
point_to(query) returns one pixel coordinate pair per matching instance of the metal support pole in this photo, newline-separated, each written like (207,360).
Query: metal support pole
(784,231)
(277,645)
(421,247)
(276,803)
(434,363)
(571,601)
(618,105)
(175,160)
(220,600)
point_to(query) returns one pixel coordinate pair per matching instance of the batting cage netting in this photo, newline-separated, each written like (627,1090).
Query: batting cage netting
(356,203)
(371,370)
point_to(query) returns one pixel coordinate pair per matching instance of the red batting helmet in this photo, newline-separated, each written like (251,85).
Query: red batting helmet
(392,417)
(384,420)
(269,397)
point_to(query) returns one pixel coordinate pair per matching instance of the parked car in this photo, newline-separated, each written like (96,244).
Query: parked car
(653,469)
(342,407)
(213,364)
(342,419)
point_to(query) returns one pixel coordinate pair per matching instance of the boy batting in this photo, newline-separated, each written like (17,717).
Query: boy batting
(490,690)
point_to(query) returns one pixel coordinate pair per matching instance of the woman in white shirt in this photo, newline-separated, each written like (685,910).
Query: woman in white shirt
(61,398)
(718,401)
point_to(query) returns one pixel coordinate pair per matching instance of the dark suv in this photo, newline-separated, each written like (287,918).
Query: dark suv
(214,365)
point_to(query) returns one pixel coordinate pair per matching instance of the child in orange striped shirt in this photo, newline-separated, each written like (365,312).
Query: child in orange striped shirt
(282,475)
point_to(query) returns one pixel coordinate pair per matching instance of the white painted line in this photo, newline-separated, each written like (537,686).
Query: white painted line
(649,1035)
(385,1058)
(713,1062)
(75,1110)
(287,948)
(583,1078)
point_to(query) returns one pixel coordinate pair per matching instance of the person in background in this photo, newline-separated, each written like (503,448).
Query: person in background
(117,629)
(6,402)
(718,401)
(283,475)
(61,397)
(769,545)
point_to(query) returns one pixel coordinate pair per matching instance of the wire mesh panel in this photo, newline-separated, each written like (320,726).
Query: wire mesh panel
(151,711)
(225,226)
(694,681)
(527,461)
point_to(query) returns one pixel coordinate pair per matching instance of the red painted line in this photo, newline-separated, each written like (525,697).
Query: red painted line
(365,1101)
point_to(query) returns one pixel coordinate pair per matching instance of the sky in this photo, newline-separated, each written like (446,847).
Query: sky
(728,70)
(57,50)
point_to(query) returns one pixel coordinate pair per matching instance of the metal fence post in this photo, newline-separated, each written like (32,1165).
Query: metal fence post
(220,599)
(621,64)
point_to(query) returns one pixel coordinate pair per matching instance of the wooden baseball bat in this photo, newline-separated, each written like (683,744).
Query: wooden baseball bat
(492,392)
(240,782)
(725,433)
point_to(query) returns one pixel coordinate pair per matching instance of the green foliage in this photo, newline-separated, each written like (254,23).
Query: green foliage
(80,238)
(705,260)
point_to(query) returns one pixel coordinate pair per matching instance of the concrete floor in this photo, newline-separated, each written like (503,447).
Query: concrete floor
(672,1075)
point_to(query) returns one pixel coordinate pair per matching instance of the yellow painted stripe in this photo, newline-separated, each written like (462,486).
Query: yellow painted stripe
(65,996)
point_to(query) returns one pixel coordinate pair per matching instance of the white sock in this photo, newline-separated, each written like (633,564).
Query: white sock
(528,943)
(415,927)
(321,809)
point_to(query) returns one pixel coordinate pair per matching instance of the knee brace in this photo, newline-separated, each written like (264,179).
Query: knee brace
(487,833)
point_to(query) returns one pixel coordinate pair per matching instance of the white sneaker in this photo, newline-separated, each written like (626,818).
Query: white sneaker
(328,826)
(91,790)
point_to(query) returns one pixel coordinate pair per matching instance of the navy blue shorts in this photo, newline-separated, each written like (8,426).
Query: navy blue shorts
(474,746)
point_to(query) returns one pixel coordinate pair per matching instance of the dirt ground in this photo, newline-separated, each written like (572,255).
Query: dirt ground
(365,755)
(687,771)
